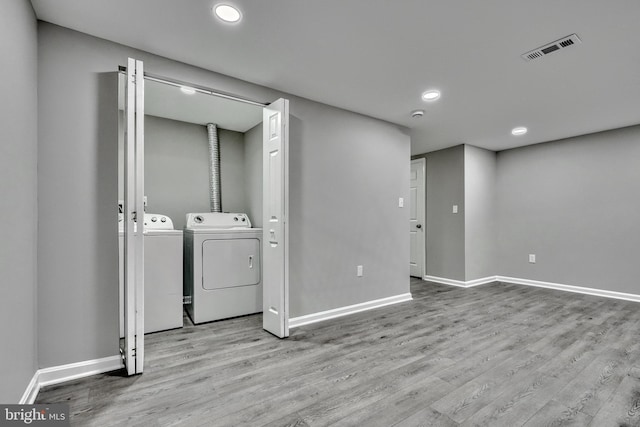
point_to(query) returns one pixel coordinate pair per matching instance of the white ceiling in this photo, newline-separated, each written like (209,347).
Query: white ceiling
(162,100)
(376,57)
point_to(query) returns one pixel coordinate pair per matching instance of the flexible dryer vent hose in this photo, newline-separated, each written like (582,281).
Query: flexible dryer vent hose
(214,168)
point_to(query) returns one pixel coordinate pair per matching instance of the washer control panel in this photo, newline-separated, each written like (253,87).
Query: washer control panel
(157,222)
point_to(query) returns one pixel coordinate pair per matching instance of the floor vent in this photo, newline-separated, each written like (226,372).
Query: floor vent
(548,48)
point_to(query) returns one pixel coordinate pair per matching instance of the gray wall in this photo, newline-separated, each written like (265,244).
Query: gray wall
(575,204)
(77,187)
(445,236)
(177,169)
(347,172)
(253,174)
(18,193)
(232,172)
(480,212)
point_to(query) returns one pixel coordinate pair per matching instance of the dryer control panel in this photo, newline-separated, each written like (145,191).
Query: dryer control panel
(218,220)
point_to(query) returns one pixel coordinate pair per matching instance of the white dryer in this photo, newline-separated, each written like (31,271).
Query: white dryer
(222,266)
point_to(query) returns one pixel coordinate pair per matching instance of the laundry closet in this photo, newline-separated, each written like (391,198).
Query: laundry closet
(200,171)
(202,153)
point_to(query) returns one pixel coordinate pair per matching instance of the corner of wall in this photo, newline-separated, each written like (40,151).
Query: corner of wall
(445,229)
(18,172)
(480,170)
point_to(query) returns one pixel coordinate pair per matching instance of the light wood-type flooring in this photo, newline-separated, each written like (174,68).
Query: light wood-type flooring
(493,355)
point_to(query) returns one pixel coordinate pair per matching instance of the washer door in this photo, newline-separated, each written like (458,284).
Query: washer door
(228,263)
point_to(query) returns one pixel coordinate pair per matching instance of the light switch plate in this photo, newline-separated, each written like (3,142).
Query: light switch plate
(401,202)
(455,208)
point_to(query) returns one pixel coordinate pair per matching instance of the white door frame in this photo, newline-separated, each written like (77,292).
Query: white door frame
(419,226)
(134,250)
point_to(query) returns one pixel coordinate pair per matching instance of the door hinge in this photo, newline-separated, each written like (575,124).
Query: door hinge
(186,299)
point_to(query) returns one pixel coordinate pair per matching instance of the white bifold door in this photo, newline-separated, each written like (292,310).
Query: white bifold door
(132,346)
(275,273)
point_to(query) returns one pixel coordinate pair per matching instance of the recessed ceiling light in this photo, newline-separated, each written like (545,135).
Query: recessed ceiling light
(227,13)
(417,113)
(521,130)
(188,90)
(431,95)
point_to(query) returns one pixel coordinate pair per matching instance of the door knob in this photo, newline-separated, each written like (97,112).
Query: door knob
(418,225)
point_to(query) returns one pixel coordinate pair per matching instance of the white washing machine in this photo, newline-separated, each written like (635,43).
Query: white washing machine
(222,266)
(163,272)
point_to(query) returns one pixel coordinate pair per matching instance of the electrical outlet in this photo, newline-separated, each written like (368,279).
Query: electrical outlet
(532,258)
(359,271)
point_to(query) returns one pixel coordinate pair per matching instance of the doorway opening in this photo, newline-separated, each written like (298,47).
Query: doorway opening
(172,176)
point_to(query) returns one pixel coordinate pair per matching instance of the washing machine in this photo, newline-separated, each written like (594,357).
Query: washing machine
(222,266)
(163,273)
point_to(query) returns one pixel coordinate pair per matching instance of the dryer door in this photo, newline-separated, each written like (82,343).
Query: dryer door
(228,263)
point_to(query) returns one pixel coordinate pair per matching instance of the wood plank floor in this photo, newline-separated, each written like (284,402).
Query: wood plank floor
(494,355)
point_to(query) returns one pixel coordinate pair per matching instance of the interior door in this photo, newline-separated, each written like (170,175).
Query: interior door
(133,209)
(417,218)
(275,279)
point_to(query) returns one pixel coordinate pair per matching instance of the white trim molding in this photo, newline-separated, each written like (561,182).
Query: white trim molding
(536,283)
(64,373)
(570,288)
(307,319)
(460,283)
(31,392)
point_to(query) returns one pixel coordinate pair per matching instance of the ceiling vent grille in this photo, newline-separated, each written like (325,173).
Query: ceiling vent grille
(548,48)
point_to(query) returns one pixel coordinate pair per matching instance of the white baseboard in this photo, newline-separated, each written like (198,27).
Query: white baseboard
(536,283)
(64,373)
(72,371)
(570,288)
(460,283)
(31,392)
(307,319)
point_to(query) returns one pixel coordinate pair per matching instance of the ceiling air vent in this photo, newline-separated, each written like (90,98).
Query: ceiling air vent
(564,42)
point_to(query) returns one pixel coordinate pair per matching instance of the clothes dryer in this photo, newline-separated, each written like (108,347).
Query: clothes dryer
(222,266)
